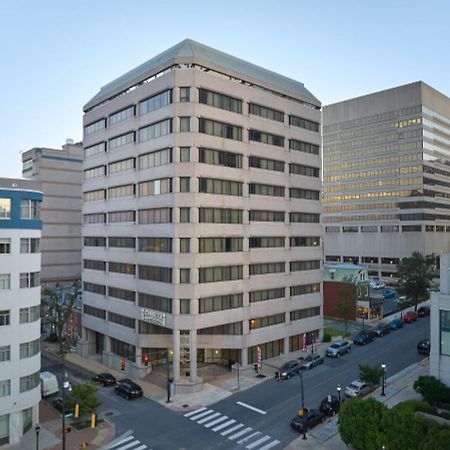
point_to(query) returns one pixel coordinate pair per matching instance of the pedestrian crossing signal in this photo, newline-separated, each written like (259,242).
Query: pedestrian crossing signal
(123,363)
(146,360)
(93,420)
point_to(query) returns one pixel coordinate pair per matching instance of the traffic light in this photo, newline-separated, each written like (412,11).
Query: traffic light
(76,412)
(123,363)
(146,360)
(93,420)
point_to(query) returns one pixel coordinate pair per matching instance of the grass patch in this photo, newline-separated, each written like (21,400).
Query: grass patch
(333,332)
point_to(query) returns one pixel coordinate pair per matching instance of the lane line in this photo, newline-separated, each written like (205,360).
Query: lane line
(205,413)
(260,411)
(258,442)
(214,422)
(195,412)
(240,433)
(272,444)
(208,418)
(249,437)
(236,427)
(224,425)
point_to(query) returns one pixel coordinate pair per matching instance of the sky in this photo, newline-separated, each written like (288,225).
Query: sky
(55,55)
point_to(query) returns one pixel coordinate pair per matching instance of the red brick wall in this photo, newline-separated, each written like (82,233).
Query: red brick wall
(331,298)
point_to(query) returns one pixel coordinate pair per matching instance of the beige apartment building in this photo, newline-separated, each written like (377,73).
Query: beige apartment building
(386,177)
(201,212)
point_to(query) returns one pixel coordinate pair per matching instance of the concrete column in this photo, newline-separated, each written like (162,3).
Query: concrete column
(193,354)
(176,355)
(107,344)
(244,357)
(286,345)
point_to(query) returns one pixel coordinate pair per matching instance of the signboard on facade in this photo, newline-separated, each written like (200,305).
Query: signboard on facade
(154,317)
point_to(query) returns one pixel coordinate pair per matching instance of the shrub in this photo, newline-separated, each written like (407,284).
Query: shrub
(411,406)
(52,337)
(432,390)
(326,337)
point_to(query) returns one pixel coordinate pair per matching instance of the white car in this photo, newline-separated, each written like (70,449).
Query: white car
(357,388)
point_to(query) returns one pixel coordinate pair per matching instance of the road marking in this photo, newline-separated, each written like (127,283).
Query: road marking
(142,447)
(194,412)
(236,427)
(206,419)
(131,444)
(240,433)
(220,419)
(259,441)
(205,413)
(270,445)
(249,437)
(223,425)
(122,441)
(260,411)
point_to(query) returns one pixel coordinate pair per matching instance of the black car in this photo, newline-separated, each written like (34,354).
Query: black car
(423,311)
(308,420)
(423,347)
(57,403)
(329,405)
(364,337)
(290,368)
(105,378)
(128,389)
(382,329)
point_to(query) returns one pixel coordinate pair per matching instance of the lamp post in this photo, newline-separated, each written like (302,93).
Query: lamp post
(300,374)
(312,342)
(338,388)
(37,428)
(66,385)
(383,366)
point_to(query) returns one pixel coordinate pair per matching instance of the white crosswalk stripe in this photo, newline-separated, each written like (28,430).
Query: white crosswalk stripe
(208,418)
(240,433)
(205,413)
(230,430)
(270,445)
(258,442)
(127,443)
(189,414)
(214,422)
(224,425)
(249,437)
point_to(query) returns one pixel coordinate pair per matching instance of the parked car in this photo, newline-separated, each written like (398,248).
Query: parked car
(410,316)
(329,405)
(396,324)
(105,378)
(423,347)
(423,311)
(382,329)
(312,360)
(357,388)
(308,420)
(128,389)
(388,293)
(289,369)
(401,299)
(378,285)
(364,337)
(338,348)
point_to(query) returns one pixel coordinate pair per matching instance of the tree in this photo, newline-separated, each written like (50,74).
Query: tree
(415,274)
(432,389)
(86,396)
(58,307)
(346,305)
(370,374)
(437,437)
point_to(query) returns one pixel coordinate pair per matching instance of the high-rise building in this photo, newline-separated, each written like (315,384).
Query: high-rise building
(201,214)
(60,173)
(386,177)
(20,298)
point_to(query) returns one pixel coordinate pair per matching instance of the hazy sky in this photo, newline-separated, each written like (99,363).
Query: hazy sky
(56,54)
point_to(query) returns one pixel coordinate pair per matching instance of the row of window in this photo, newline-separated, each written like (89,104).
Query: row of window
(29,209)
(27,350)
(26,383)
(27,245)
(26,315)
(27,280)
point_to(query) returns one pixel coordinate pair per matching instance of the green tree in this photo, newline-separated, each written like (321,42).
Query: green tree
(346,306)
(57,308)
(370,374)
(432,389)
(86,396)
(415,274)
(437,437)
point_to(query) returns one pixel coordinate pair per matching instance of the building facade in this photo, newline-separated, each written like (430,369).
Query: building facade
(386,178)
(60,173)
(20,325)
(201,213)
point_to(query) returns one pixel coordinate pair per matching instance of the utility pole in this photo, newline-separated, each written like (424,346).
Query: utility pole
(66,385)
(168,375)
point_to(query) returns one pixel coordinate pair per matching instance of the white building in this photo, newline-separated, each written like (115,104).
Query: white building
(20,325)
(201,214)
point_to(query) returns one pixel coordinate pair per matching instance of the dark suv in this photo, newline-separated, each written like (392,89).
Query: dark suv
(307,421)
(364,337)
(329,405)
(290,368)
(128,389)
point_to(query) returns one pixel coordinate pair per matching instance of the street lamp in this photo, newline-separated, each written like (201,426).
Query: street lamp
(338,388)
(312,342)
(383,366)
(66,386)
(300,374)
(37,428)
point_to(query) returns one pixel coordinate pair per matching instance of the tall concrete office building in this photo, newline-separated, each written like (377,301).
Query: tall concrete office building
(386,177)
(201,214)
(60,173)
(20,298)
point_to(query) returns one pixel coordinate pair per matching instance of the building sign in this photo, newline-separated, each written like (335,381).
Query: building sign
(154,317)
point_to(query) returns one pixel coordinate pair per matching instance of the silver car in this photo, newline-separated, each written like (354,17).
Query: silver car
(338,348)
(312,360)
(357,388)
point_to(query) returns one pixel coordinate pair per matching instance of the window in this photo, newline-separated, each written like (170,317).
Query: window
(29,209)
(95,149)
(219,244)
(94,288)
(94,264)
(220,101)
(155,130)
(29,349)
(305,241)
(267,321)
(120,141)
(5,353)
(220,273)
(304,147)
(155,159)
(5,281)
(185,215)
(94,312)
(267,164)
(185,94)
(226,329)
(267,113)
(185,154)
(155,244)
(185,245)
(413,228)
(265,268)
(123,349)
(155,187)
(29,279)
(219,157)
(444,330)
(155,273)
(305,194)
(5,390)
(185,184)
(373,229)
(150,328)
(185,124)
(266,189)
(266,138)
(216,186)
(155,215)
(29,382)
(119,267)
(94,218)
(121,242)
(30,314)
(95,126)
(121,320)
(266,242)
(304,265)
(121,166)
(121,115)
(155,102)
(123,294)
(185,275)
(220,129)
(298,169)
(219,215)
(266,294)
(305,313)
(121,217)
(266,216)
(304,123)
(220,303)
(5,208)
(5,246)
(304,289)
(304,217)
(92,196)
(185,305)
(370,259)
(390,228)
(390,261)
(27,419)
(94,172)
(155,302)
(127,190)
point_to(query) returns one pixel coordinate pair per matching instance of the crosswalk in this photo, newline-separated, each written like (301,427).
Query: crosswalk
(229,428)
(127,443)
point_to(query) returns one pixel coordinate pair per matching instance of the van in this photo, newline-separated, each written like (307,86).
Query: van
(49,384)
